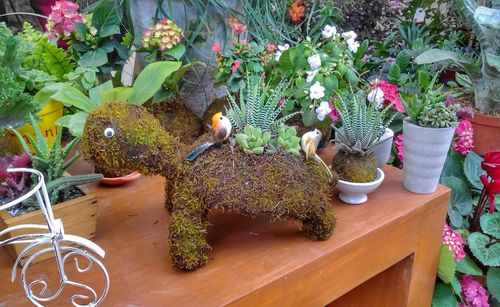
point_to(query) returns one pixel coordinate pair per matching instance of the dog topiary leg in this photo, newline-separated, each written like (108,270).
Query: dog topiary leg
(187,238)
(320,227)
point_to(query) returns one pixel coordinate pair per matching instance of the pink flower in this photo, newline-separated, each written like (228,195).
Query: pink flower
(271,48)
(216,47)
(236,25)
(334,114)
(235,66)
(282,102)
(463,141)
(60,22)
(391,93)
(398,143)
(453,240)
(475,294)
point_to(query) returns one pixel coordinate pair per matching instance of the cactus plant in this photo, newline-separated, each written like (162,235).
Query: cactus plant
(438,116)
(253,140)
(288,140)
(362,127)
(486,24)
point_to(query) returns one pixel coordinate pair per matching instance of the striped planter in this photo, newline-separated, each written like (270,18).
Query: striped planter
(425,151)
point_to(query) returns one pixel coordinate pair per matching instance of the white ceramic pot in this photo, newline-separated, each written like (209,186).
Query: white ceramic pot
(354,193)
(425,151)
(383,150)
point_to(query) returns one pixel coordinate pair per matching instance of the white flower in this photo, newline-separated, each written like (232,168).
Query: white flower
(311,74)
(353,46)
(323,110)
(316,91)
(314,61)
(376,96)
(329,31)
(281,49)
(349,36)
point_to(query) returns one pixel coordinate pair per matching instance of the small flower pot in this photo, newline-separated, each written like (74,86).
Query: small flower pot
(425,151)
(119,181)
(383,150)
(486,133)
(354,193)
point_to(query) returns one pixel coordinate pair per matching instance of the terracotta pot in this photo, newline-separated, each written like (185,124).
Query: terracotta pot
(486,133)
(78,216)
(118,181)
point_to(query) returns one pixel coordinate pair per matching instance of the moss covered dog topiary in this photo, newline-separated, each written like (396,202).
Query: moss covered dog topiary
(118,135)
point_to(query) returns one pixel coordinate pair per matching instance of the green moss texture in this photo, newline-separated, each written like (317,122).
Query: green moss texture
(278,185)
(355,168)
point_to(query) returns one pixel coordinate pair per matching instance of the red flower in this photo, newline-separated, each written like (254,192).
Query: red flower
(297,11)
(491,165)
(491,188)
(216,47)
(236,25)
(235,66)
(271,48)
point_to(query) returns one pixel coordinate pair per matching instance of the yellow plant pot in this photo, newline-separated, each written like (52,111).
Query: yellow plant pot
(48,115)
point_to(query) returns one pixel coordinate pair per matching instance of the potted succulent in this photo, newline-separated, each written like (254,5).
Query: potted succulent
(486,79)
(78,206)
(252,177)
(428,131)
(356,140)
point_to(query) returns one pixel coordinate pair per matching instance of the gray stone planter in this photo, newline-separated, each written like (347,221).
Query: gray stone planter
(425,151)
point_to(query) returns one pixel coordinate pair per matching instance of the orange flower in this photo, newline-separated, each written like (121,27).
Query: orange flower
(297,11)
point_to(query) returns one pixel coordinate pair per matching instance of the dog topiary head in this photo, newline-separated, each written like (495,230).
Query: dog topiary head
(121,136)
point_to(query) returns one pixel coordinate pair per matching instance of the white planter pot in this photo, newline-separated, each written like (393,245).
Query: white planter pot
(383,150)
(425,151)
(354,193)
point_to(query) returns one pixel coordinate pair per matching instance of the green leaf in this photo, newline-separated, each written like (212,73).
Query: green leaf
(81,29)
(484,250)
(467,266)
(105,15)
(109,30)
(435,55)
(455,284)
(309,117)
(454,165)
(74,122)
(493,282)
(351,76)
(72,96)
(151,79)
(118,94)
(177,52)
(44,95)
(94,58)
(472,169)
(461,198)
(394,74)
(443,296)
(331,83)
(258,150)
(95,93)
(490,223)
(446,266)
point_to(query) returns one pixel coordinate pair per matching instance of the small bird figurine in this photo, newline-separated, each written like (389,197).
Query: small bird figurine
(221,127)
(309,143)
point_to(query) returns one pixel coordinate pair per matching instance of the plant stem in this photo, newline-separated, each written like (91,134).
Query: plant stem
(479,211)
(24,13)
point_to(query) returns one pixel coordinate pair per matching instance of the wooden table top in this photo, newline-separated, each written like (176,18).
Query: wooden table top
(247,253)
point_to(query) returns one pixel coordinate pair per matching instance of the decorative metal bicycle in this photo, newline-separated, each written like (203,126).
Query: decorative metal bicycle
(59,243)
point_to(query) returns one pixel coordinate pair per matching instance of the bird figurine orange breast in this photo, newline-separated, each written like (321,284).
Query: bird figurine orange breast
(221,127)
(309,143)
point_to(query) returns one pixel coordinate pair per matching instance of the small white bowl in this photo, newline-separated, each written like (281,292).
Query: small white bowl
(356,193)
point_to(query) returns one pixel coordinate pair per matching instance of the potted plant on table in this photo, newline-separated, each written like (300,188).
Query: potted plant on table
(78,206)
(356,140)
(428,131)
(486,80)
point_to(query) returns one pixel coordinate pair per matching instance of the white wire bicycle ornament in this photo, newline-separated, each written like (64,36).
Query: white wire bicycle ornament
(57,238)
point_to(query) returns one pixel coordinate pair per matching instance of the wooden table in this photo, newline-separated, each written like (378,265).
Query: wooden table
(382,253)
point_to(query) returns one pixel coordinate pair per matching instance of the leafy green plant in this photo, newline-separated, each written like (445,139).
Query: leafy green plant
(288,140)
(259,107)
(485,23)
(53,161)
(253,140)
(147,84)
(403,61)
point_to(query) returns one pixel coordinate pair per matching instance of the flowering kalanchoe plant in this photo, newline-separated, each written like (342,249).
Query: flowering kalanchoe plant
(60,22)
(297,11)
(242,58)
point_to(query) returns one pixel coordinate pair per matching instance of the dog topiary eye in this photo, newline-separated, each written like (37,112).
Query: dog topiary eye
(109,132)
